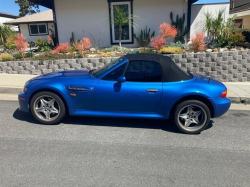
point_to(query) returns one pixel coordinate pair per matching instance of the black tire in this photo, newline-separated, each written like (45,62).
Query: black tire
(183,116)
(54,118)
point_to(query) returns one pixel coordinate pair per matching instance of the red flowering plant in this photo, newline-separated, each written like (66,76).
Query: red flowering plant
(167,31)
(21,44)
(157,43)
(198,42)
(61,48)
(83,45)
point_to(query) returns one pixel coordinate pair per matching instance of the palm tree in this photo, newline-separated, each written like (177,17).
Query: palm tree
(214,24)
(122,18)
(5,33)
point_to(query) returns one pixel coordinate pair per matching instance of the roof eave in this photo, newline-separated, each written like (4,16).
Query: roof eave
(30,22)
(49,3)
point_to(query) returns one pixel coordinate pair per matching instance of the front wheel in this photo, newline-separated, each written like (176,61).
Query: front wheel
(47,108)
(192,116)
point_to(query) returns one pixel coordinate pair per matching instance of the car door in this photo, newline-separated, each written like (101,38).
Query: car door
(141,92)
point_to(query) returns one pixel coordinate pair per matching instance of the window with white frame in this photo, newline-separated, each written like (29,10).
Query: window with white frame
(38,29)
(127,35)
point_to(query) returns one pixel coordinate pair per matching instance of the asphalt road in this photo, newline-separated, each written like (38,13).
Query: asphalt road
(122,152)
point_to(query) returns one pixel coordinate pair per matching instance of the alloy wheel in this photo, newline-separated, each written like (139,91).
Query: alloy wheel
(46,108)
(192,117)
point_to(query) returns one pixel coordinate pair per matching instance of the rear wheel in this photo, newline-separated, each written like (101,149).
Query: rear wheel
(47,108)
(191,116)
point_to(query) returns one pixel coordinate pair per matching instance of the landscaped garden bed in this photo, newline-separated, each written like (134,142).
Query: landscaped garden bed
(223,54)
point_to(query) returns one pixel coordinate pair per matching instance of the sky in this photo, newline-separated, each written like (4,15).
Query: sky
(10,7)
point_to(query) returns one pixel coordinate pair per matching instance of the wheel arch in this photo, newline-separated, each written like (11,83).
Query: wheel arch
(198,98)
(52,91)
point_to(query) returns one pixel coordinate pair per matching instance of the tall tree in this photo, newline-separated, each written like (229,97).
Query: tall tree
(27,7)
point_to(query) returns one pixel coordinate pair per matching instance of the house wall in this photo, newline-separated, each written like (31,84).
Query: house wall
(198,15)
(93,17)
(24,29)
(246,21)
(4,19)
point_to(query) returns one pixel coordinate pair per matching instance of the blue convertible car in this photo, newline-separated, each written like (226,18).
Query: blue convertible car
(140,85)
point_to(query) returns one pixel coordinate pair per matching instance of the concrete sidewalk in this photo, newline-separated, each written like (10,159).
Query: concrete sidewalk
(238,92)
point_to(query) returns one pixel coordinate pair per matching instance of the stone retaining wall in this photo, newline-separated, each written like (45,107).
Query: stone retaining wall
(229,66)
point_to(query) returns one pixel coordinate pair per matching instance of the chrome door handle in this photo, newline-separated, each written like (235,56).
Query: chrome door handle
(152,90)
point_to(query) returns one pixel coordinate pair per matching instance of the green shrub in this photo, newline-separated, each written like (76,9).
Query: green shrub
(237,37)
(222,42)
(43,45)
(49,56)
(17,56)
(28,55)
(177,44)
(146,50)
(44,48)
(134,51)
(10,45)
(6,57)
(116,49)
(172,50)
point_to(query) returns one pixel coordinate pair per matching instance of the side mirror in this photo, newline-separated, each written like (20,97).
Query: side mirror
(121,79)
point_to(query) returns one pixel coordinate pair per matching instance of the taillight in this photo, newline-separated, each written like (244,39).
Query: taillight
(224,94)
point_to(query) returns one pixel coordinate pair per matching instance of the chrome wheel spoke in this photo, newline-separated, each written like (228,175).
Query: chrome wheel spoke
(197,113)
(51,102)
(190,110)
(187,123)
(41,110)
(54,111)
(47,114)
(184,116)
(196,121)
(43,102)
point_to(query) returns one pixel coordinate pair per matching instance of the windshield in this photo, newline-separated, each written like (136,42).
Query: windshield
(97,73)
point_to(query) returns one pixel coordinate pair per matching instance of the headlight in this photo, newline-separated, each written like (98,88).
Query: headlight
(24,88)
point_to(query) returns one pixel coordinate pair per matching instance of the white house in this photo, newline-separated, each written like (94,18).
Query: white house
(4,17)
(35,25)
(93,17)
(200,10)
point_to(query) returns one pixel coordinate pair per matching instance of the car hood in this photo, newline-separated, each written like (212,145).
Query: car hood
(61,74)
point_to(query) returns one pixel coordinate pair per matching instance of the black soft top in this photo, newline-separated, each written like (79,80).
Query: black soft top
(170,71)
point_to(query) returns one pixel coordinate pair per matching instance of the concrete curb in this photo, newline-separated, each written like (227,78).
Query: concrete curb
(17,90)
(10,90)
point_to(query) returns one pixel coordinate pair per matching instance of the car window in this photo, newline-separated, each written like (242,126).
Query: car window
(143,71)
(97,73)
(116,73)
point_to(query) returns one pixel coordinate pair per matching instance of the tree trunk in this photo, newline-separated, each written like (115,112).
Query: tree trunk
(120,37)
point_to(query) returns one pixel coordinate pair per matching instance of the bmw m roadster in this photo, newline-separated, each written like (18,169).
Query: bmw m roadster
(134,86)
